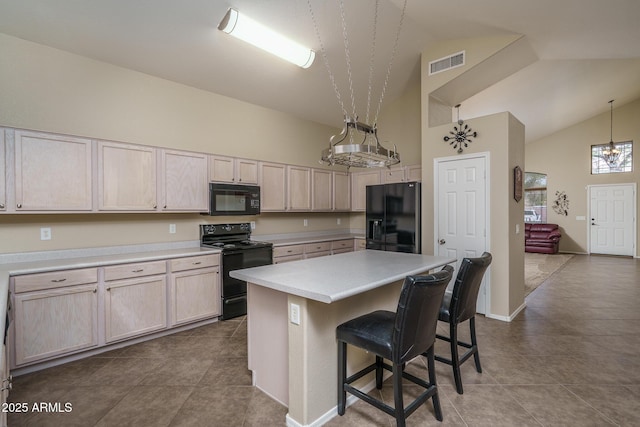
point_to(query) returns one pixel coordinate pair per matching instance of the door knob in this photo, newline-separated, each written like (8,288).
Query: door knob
(442,241)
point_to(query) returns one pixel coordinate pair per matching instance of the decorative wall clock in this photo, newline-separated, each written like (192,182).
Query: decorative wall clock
(461,135)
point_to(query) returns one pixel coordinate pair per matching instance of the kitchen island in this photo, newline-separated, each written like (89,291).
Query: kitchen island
(293,310)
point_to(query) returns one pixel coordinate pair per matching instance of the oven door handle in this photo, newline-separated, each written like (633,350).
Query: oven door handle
(236,299)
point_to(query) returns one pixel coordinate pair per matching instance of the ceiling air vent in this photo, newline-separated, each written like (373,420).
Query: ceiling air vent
(446,63)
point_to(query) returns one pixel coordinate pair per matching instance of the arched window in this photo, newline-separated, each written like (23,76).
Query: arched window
(535,197)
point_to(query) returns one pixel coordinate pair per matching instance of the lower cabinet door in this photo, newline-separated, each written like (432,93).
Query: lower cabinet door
(195,295)
(54,322)
(135,307)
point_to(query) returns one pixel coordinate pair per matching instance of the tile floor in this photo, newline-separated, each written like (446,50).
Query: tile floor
(570,358)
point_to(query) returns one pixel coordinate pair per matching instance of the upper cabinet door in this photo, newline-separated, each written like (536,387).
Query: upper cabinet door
(299,185)
(273,189)
(126,177)
(3,172)
(247,171)
(233,170)
(341,191)
(221,169)
(393,175)
(184,181)
(52,172)
(322,190)
(359,182)
(414,173)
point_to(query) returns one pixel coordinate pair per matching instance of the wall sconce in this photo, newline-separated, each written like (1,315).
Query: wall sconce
(250,31)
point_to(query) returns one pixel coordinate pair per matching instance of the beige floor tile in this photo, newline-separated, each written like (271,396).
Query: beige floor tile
(214,406)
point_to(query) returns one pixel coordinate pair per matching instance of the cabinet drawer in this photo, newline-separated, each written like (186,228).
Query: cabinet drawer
(342,244)
(280,260)
(288,250)
(361,244)
(342,251)
(55,279)
(317,247)
(189,263)
(139,269)
(317,254)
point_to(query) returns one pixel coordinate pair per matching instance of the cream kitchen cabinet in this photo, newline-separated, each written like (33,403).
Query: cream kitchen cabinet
(135,299)
(273,186)
(5,376)
(194,288)
(298,188)
(341,246)
(287,253)
(359,182)
(56,313)
(413,173)
(314,250)
(52,172)
(341,191)
(233,170)
(360,244)
(393,175)
(184,181)
(322,190)
(3,172)
(126,177)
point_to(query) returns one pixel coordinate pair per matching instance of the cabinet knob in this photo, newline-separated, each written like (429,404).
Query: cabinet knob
(164,207)
(58,280)
(1,205)
(108,289)
(95,290)
(19,205)
(155,205)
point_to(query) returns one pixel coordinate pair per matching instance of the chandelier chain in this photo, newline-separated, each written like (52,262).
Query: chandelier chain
(393,55)
(371,60)
(348,58)
(326,60)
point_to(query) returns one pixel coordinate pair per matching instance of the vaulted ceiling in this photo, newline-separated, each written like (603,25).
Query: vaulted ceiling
(588,51)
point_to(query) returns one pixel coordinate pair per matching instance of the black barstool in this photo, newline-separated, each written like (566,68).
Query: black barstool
(397,337)
(459,305)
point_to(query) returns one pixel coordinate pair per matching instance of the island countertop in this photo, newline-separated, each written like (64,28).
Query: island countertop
(332,278)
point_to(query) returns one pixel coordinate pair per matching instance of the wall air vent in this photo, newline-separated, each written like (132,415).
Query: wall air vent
(446,63)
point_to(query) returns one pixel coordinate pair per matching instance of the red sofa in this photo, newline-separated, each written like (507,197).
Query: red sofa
(541,238)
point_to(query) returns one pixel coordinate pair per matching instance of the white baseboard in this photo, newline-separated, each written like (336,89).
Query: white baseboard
(507,318)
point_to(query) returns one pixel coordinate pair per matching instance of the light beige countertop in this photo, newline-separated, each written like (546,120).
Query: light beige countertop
(303,239)
(329,279)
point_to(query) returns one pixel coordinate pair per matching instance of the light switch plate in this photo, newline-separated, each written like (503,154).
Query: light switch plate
(172,228)
(45,233)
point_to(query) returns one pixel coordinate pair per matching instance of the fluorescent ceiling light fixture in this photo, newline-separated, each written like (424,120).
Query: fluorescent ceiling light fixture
(245,28)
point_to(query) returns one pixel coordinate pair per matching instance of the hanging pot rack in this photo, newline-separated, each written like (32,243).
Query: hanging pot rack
(369,153)
(366,154)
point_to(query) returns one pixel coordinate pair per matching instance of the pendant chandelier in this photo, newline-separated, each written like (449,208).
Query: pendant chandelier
(611,154)
(358,145)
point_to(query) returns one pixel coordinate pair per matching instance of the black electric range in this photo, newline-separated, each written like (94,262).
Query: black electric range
(238,251)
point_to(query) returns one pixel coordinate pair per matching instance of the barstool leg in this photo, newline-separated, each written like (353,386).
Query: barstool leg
(342,376)
(431,365)
(455,359)
(379,371)
(474,343)
(397,395)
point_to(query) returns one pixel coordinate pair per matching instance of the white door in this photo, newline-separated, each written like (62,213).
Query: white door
(461,209)
(612,214)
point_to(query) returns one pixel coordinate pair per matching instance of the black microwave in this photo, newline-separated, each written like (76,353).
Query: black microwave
(233,199)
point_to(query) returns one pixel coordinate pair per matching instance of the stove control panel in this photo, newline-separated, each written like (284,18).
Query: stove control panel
(224,229)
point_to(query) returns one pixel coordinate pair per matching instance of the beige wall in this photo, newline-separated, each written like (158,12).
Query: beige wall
(502,136)
(565,157)
(46,89)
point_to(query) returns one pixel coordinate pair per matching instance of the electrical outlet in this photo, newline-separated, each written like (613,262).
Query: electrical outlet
(305,222)
(338,221)
(45,233)
(253,225)
(172,228)
(295,314)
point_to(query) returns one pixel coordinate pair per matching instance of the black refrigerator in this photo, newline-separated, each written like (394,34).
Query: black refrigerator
(393,217)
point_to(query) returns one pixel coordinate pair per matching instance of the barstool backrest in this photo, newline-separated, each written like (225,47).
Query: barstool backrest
(467,286)
(417,314)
